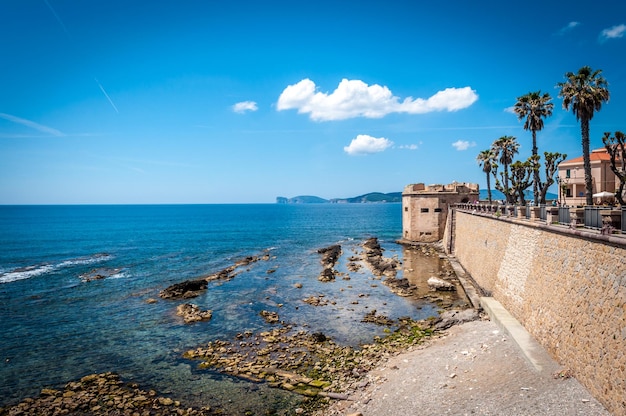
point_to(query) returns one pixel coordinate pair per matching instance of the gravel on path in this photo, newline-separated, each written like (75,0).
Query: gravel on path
(475,369)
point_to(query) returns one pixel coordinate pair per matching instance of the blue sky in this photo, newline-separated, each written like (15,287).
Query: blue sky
(243,101)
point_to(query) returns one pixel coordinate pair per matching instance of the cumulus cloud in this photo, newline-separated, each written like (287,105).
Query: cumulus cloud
(355,98)
(244,106)
(613,32)
(364,144)
(461,145)
(567,28)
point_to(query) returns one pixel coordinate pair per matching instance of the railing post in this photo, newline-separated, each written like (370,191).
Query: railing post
(535,213)
(611,220)
(552,215)
(577,217)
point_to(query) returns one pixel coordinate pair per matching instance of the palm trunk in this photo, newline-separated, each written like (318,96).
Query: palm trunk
(536,172)
(506,184)
(584,129)
(488,188)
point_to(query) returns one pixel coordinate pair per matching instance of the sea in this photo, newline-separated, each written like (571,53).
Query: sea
(57,324)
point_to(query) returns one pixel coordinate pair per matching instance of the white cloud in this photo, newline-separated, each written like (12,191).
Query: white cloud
(32,124)
(244,106)
(510,109)
(354,98)
(408,146)
(567,28)
(613,32)
(364,144)
(461,145)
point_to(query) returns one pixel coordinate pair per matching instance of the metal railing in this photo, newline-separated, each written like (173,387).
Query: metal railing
(592,215)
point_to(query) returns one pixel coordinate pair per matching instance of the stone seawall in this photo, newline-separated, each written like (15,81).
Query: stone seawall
(569,292)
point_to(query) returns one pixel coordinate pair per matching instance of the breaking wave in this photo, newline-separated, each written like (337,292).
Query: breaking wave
(40,269)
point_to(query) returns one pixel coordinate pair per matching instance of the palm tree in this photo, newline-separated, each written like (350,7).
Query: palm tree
(584,92)
(486,159)
(534,106)
(504,149)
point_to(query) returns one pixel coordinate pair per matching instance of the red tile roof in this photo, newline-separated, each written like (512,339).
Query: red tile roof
(596,155)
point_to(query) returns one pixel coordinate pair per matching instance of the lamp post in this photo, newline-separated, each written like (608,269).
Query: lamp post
(558,181)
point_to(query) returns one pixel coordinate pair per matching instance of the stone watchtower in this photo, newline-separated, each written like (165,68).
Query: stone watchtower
(425,208)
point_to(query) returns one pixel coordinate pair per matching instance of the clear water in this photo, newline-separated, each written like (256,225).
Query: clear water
(54,327)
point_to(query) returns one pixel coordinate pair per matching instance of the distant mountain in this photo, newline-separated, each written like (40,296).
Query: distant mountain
(379,197)
(497,195)
(303,199)
(371,197)
(367,198)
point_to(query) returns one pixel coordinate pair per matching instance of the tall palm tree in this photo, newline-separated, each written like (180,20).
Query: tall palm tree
(505,148)
(534,106)
(584,92)
(486,159)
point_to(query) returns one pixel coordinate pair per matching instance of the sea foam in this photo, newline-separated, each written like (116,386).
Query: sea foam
(27,272)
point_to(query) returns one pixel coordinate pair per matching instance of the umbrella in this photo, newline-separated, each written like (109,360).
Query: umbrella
(604,194)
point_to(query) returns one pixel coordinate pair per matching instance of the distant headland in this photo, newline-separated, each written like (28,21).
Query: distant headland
(372,197)
(379,197)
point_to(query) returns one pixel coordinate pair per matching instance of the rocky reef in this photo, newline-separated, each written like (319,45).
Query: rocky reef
(194,287)
(286,356)
(193,313)
(373,257)
(103,395)
(312,365)
(330,255)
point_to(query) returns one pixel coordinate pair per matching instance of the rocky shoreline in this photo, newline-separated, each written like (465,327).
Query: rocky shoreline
(285,357)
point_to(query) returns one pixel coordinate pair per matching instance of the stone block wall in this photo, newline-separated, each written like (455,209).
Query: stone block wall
(568,290)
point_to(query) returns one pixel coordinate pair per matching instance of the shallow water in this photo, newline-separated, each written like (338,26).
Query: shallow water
(56,327)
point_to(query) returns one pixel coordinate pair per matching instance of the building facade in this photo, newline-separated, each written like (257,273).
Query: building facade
(571,177)
(425,208)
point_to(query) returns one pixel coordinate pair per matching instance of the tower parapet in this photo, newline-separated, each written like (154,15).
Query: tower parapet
(425,208)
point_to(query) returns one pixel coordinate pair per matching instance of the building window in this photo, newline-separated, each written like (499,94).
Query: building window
(568,192)
(567,173)
(437,209)
(423,210)
(406,209)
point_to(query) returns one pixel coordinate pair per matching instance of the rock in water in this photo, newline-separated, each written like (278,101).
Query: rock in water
(192,313)
(440,284)
(270,317)
(185,290)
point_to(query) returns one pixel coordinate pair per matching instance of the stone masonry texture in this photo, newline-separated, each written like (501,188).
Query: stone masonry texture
(568,291)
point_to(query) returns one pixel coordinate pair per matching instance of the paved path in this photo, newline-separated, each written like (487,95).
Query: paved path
(476,369)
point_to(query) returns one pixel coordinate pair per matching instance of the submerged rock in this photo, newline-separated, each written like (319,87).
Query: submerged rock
(377,319)
(270,317)
(192,313)
(99,273)
(401,287)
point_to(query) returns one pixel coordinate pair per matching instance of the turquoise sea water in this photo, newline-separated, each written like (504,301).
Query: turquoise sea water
(55,327)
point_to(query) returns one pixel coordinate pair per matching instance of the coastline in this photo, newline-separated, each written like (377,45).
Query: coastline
(457,363)
(372,258)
